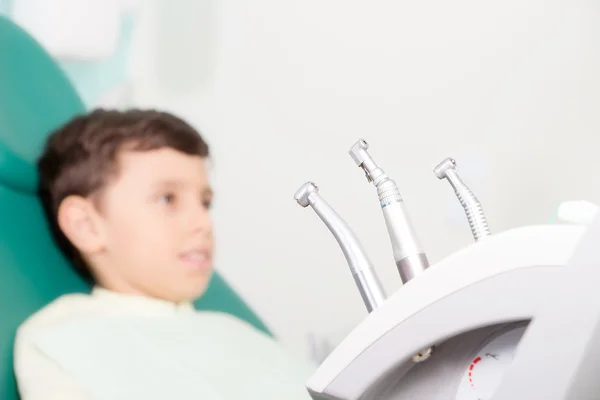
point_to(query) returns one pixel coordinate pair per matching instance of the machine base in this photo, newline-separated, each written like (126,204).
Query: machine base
(439,377)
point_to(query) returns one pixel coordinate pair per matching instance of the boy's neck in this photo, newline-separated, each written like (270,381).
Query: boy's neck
(138,301)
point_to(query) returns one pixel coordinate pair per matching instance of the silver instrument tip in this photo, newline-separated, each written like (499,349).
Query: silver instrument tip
(358,152)
(442,168)
(302,194)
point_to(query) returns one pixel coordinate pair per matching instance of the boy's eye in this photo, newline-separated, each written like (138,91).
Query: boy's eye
(207,204)
(168,198)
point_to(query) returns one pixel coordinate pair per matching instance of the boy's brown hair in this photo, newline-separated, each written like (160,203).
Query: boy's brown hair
(80,157)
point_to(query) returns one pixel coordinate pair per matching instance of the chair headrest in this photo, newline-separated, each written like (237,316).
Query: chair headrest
(35,98)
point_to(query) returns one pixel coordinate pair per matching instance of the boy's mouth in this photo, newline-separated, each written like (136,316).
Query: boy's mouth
(197,259)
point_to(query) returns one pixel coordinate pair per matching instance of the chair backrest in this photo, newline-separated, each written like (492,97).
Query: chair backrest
(36,97)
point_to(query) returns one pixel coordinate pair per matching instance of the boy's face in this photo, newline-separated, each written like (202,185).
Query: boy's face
(154,233)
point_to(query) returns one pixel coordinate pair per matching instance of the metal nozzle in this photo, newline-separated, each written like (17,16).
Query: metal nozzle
(364,276)
(302,195)
(361,157)
(408,254)
(358,152)
(468,200)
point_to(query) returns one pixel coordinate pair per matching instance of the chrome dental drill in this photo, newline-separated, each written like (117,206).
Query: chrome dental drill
(410,257)
(362,271)
(468,200)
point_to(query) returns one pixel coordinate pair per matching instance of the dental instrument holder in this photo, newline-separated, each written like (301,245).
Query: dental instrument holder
(409,256)
(468,200)
(360,266)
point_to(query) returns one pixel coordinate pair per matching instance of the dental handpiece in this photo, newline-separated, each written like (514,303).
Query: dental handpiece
(362,271)
(468,200)
(409,256)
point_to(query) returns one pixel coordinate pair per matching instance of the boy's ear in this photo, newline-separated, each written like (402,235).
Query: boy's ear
(80,222)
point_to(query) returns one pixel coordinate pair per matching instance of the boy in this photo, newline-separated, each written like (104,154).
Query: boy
(128,198)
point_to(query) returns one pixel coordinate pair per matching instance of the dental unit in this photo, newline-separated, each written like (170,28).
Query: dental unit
(513,315)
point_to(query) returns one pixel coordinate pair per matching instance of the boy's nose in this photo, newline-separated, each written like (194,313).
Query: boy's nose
(200,221)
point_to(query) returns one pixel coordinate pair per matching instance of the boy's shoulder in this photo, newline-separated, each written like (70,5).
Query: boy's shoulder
(61,310)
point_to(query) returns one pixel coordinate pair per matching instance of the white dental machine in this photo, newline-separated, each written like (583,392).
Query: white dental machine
(513,316)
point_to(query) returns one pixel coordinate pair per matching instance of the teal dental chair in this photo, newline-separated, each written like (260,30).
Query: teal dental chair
(35,98)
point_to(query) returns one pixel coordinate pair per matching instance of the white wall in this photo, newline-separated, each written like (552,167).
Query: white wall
(4,7)
(282,89)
